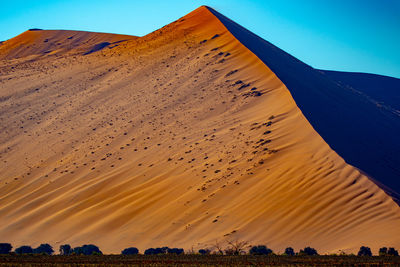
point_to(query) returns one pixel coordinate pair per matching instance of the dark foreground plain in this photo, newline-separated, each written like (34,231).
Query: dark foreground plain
(195,260)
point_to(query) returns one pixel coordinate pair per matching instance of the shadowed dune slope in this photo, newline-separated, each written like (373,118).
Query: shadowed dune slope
(178,138)
(361,131)
(383,90)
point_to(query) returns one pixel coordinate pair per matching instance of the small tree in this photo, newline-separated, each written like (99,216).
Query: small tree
(289,251)
(5,248)
(65,249)
(236,247)
(44,249)
(364,251)
(392,252)
(218,248)
(130,251)
(260,250)
(308,251)
(24,250)
(383,251)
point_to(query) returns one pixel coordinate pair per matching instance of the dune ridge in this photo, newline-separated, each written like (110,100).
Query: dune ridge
(371,127)
(179,138)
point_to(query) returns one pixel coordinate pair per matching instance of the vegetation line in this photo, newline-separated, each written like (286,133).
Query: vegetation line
(234,248)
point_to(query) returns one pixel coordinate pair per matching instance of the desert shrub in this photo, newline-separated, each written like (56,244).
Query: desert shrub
(364,251)
(150,251)
(392,252)
(130,251)
(155,251)
(308,251)
(77,251)
(91,249)
(383,251)
(164,250)
(5,248)
(204,251)
(260,250)
(24,250)
(289,251)
(87,250)
(65,249)
(177,251)
(44,249)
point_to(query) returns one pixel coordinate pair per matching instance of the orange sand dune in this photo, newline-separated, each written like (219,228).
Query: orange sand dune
(42,42)
(178,138)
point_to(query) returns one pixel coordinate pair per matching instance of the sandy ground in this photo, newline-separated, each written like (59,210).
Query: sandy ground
(180,138)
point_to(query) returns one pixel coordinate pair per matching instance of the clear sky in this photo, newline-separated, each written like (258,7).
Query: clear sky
(348,35)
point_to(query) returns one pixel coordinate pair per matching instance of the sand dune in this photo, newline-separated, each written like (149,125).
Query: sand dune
(178,138)
(37,42)
(327,104)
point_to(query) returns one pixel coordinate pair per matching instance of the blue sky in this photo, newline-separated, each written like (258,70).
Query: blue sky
(348,35)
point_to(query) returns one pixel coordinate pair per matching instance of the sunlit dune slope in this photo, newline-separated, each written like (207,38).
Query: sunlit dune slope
(178,138)
(42,42)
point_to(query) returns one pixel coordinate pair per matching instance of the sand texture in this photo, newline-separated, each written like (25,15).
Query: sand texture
(178,138)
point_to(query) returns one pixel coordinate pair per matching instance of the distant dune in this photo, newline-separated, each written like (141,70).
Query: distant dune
(37,42)
(195,133)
